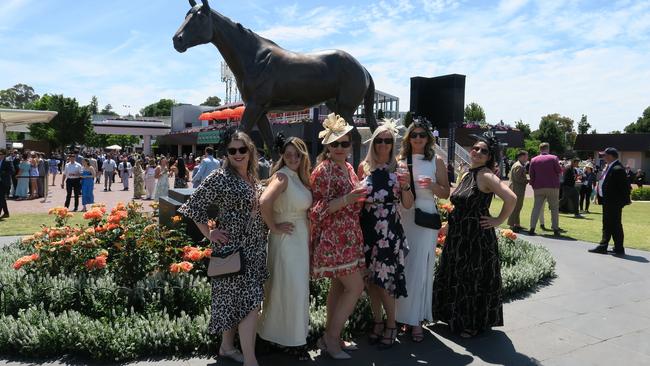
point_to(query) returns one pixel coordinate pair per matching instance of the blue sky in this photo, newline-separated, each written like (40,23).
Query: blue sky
(523,59)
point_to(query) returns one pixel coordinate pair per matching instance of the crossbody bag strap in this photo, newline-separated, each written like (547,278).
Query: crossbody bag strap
(409,164)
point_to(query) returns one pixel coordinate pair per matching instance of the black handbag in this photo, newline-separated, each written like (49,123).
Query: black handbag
(423,218)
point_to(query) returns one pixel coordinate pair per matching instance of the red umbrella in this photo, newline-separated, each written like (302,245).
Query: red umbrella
(227,113)
(239,111)
(204,117)
(216,115)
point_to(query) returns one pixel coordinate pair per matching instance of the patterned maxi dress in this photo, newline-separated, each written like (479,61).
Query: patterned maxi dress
(336,238)
(138,181)
(385,242)
(467,285)
(233,298)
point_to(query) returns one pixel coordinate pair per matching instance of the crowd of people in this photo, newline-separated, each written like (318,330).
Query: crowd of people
(28,175)
(372,228)
(569,186)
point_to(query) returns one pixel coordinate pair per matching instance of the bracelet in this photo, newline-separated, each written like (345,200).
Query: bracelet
(406,188)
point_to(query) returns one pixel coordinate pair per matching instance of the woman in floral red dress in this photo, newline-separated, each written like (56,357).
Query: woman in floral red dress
(337,240)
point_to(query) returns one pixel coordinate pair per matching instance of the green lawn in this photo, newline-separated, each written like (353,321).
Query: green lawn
(635,223)
(27,224)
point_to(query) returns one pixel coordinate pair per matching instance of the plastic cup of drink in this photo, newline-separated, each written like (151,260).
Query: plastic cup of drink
(423,181)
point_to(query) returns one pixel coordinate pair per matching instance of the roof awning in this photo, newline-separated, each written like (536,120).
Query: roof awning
(18,120)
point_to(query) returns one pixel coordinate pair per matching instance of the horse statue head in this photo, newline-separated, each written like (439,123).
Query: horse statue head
(196,29)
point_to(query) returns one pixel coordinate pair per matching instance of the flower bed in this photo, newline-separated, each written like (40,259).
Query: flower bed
(123,288)
(641,194)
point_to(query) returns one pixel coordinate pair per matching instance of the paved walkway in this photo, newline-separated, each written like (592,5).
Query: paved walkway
(597,312)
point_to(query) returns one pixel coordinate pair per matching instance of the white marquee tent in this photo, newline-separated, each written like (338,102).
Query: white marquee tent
(18,120)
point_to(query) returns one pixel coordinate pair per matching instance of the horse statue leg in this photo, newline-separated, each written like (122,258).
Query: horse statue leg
(356,139)
(255,114)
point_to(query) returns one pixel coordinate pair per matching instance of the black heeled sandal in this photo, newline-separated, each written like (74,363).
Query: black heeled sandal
(388,342)
(374,336)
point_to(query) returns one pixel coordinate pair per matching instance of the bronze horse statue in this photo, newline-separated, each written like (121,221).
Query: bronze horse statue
(271,78)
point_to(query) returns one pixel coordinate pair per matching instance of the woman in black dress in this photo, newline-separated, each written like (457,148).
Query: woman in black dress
(467,285)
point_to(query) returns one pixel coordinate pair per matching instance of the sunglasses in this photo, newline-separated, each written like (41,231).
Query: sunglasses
(234,150)
(422,135)
(483,151)
(387,141)
(343,144)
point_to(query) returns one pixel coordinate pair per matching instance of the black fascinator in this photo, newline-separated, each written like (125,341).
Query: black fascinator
(493,147)
(226,137)
(280,140)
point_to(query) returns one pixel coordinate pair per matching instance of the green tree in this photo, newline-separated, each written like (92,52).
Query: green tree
(122,140)
(616,132)
(213,101)
(524,128)
(70,126)
(583,125)
(162,107)
(550,132)
(20,96)
(408,119)
(94,105)
(108,111)
(565,125)
(642,124)
(474,113)
(594,132)
(532,146)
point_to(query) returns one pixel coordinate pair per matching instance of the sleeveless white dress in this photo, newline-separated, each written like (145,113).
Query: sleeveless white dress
(162,186)
(285,310)
(421,259)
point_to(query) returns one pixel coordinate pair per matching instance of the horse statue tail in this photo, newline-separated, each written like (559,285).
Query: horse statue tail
(369,103)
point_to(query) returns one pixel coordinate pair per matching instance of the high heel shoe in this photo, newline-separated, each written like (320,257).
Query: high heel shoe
(388,342)
(374,335)
(341,355)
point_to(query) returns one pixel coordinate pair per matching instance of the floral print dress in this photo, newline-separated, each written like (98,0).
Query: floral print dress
(385,242)
(337,240)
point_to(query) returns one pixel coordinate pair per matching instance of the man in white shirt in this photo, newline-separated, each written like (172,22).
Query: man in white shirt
(109,167)
(125,172)
(208,164)
(72,179)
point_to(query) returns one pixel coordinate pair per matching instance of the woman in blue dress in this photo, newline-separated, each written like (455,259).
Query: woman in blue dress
(22,187)
(87,184)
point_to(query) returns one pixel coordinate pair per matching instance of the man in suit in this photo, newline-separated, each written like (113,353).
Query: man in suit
(570,195)
(6,173)
(615,192)
(518,182)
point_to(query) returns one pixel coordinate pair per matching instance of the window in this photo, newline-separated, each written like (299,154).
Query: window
(188,124)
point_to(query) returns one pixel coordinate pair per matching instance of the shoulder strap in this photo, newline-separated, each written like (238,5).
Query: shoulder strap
(409,163)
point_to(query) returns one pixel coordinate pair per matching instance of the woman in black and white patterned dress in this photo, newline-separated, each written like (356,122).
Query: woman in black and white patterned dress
(234,190)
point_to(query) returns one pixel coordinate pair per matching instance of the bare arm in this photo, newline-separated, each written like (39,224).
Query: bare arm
(157,173)
(441,187)
(489,182)
(277,186)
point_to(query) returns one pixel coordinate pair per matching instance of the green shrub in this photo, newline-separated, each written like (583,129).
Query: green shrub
(93,315)
(641,194)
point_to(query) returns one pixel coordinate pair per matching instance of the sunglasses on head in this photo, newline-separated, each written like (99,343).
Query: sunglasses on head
(343,144)
(422,135)
(233,150)
(387,141)
(481,150)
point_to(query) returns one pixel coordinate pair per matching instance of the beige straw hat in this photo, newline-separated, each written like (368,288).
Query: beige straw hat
(335,128)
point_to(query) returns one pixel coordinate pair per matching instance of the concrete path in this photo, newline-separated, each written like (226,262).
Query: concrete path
(597,312)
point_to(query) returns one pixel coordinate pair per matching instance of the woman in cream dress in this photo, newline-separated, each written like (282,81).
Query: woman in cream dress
(284,205)
(430,178)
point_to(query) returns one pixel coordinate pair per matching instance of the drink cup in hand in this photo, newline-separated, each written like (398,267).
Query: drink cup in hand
(402,175)
(363,188)
(424,181)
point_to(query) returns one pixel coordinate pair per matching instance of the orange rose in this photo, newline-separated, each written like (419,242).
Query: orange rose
(94,214)
(112,226)
(207,253)
(195,255)
(174,268)
(186,266)
(507,233)
(441,239)
(24,260)
(176,219)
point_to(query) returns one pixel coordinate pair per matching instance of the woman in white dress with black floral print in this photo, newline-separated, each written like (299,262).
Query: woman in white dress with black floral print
(234,190)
